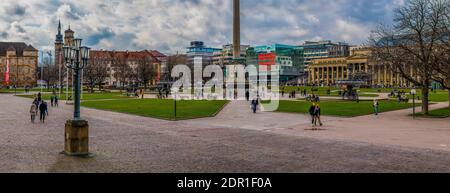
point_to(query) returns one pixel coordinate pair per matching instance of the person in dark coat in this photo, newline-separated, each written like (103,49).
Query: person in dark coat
(52,100)
(317,115)
(39,97)
(311,112)
(56,100)
(43,111)
(255,104)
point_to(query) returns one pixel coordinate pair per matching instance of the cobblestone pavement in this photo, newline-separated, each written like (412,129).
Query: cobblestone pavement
(126,143)
(394,128)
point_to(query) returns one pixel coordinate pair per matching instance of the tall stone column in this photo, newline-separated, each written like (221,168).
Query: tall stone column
(332,75)
(379,74)
(236,30)
(337,72)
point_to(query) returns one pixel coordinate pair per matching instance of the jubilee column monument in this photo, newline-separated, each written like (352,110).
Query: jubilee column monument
(236,30)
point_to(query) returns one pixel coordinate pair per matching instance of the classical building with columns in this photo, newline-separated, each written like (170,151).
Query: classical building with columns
(328,71)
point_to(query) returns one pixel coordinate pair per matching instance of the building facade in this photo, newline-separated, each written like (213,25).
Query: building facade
(288,59)
(324,49)
(225,56)
(163,62)
(18,64)
(328,71)
(198,49)
(115,59)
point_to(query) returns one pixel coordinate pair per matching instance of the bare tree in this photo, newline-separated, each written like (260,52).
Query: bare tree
(144,71)
(442,67)
(96,72)
(173,61)
(409,46)
(122,70)
(49,73)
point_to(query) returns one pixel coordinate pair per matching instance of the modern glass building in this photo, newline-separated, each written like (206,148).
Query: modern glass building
(289,59)
(197,49)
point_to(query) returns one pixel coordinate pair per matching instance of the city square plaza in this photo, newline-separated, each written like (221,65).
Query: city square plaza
(126,135)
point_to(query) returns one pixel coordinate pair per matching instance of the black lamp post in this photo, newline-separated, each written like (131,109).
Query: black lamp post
(76,58)
(175,106)
(77,130)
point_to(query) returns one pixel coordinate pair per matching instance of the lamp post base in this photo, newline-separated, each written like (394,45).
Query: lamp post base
(76,138)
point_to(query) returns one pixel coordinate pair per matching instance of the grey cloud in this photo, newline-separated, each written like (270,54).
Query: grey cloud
(15,10)
(4,35)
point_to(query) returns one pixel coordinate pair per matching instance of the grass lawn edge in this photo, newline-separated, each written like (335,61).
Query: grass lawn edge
(162,118)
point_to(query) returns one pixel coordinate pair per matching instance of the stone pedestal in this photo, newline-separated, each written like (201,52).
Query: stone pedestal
(76,140)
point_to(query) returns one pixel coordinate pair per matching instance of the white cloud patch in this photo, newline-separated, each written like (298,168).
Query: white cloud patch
(169,25)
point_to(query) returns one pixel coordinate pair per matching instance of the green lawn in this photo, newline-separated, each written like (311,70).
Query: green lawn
(438,96)
(439,113)
(383,90)
(163,109)
(342,108)
(86,96)
(321,91)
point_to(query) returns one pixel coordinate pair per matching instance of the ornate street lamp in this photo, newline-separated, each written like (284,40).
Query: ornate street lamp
(76,57)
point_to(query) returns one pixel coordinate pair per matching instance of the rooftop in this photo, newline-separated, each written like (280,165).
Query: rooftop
(19,47)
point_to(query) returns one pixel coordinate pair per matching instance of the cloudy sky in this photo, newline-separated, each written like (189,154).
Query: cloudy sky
(169,25)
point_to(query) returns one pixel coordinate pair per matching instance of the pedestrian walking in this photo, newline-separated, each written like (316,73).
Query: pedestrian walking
(376,106)
(33,111)
(254,105)
(36,102)
(316,115)
(43,111)
(56,101)
(39,97)
(52,99)
(142,93)
(311,112)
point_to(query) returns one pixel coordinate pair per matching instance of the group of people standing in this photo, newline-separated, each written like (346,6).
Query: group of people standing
(38,106)
(163,93)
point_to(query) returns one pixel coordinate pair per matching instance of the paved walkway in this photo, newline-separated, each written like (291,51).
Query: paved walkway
(126,143)
(391,128)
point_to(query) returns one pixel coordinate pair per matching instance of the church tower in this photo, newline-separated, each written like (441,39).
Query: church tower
(68,37)
(58,46)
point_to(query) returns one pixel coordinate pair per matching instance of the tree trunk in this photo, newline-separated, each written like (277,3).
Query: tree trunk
(449,98)
(425,93)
